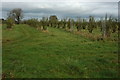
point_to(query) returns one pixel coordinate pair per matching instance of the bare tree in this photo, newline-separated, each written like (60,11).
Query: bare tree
(16,14)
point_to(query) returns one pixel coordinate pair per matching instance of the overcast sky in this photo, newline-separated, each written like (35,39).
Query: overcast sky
(62,9)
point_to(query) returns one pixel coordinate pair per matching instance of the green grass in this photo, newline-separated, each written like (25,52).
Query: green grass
(31,53)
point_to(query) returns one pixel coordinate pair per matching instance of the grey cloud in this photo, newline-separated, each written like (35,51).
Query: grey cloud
(62,9)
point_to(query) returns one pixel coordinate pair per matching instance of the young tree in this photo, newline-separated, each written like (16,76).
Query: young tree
(114,25)
(91,24)
(9,22)
(69,24)
(78,24)
(72,23)
(59,24)
(53,20)
(103,28)
(83,24)
(64,23)
(108,25)
(99,24)
(32,22)
(44,23)
(17,14)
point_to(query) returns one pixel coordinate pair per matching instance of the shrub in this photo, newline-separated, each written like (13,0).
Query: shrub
(53,20)
(33,22)
(10,22)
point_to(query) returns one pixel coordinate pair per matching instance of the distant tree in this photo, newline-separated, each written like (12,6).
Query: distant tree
(16,14)
(114,25)
(59,24)
(99,24)
(103,28)
(64,23)
(91,25)
(78,24)
(72,23)
(69,23)
(108,24)
(83,24)
(53,20)
(2,21)
(32,22)
(44,23)
(9,22)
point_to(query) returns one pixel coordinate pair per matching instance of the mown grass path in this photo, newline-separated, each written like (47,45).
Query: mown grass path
(31,53)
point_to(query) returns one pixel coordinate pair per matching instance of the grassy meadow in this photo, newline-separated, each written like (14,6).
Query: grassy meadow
(56,53)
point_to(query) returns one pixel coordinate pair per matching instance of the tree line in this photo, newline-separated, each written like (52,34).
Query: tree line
(107,24)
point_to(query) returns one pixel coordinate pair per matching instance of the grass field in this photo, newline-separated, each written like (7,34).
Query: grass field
(31,53)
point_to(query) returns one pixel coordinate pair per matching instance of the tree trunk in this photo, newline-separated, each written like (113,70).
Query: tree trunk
(18,20)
